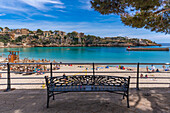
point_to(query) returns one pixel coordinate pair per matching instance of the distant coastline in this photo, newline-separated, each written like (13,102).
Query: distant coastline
(24,38)
(78,45)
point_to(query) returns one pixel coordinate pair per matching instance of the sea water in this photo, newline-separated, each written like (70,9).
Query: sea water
(91,54)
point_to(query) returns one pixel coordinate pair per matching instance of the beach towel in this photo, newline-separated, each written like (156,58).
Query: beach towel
(107,67)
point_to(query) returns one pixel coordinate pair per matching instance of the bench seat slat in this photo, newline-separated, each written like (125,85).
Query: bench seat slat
(87,88)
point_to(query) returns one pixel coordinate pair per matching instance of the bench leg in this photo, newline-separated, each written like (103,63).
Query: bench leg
(53,96)
(124,96)
(128,101)
(48,99)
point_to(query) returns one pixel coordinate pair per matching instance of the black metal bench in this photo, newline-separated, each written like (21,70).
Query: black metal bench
(87,83)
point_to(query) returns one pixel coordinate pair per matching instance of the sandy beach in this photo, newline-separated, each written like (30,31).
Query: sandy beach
(152,80)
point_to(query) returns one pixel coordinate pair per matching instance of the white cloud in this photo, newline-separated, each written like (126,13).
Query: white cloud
(26,8)
(50,16)
(59,6)
(40,4)
(3,14)
(22,5)
(98,29)
(86,5)
(10,5)
(61,10)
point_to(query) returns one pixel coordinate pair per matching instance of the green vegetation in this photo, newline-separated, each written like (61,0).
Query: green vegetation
(72,35)
(20,38)
(35,36)
(91,39)
(1,28)
(6,28)
(31,32)
(39,31)
(5,39)
(51,31)
(46,42)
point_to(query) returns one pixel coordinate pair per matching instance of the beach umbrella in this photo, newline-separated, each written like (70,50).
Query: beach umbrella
(54,61)
(39,61)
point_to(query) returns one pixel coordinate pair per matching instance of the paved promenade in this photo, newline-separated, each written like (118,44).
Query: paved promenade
(34,101)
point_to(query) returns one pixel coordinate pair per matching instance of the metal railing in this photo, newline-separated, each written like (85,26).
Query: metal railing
(8,65)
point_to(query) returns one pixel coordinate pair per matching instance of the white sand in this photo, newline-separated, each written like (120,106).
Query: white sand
(83,69)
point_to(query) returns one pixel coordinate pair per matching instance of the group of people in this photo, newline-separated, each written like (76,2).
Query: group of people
(39,69)
(153,69)
(29,69)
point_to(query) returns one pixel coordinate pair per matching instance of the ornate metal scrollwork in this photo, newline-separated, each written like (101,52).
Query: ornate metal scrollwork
(88,81)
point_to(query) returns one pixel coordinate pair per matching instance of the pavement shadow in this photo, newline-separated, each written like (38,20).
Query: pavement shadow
(34,101)
(151,100)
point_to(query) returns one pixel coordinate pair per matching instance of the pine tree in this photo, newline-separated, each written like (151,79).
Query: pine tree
(148,14)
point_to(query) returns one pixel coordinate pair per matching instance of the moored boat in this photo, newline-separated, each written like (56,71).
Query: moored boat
(147,49)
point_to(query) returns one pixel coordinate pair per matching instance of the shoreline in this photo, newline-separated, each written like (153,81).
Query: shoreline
(31,46)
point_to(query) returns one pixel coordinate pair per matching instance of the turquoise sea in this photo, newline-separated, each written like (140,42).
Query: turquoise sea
(92,54)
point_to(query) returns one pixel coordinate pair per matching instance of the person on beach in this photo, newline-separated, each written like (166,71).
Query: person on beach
(164,67)
(45,68)
(167,69)
(141,75)
(147,69)
(57,67)
(153,68)
(65,77)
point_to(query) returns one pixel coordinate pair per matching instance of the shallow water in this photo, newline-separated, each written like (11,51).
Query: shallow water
(91,54)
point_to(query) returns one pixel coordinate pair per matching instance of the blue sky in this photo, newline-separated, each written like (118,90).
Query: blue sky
(68,16)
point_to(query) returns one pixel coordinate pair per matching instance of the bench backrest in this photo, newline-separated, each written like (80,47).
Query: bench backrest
(87,83)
